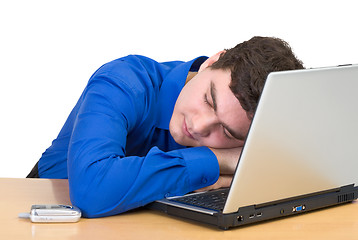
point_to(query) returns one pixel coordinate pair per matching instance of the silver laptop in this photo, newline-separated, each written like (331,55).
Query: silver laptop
(300,153)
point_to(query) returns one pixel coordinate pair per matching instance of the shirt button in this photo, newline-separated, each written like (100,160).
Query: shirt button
(167,195)
(204,180)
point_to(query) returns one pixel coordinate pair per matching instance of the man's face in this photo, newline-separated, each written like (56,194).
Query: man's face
(208,114)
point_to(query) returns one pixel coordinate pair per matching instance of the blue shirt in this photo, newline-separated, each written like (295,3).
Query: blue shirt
(115,147)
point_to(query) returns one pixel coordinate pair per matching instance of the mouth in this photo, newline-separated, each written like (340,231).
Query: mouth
(185,130)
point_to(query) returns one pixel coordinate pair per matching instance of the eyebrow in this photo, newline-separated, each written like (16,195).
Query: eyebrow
(213,94)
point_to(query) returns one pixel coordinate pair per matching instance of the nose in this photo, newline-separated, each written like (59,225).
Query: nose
(203,124)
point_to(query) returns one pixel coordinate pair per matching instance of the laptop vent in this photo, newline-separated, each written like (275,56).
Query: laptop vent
(345,197)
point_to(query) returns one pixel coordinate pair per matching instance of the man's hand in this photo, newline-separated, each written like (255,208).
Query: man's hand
(228,159)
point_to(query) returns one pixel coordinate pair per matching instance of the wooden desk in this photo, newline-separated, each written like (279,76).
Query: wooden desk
(17,195)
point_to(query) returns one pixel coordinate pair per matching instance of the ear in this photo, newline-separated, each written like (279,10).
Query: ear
(210,60)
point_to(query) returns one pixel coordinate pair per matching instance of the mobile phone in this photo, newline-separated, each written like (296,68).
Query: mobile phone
(53,213)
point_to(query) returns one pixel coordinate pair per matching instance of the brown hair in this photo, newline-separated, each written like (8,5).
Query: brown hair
(250,62)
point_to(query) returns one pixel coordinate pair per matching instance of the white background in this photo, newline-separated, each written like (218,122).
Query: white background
(49,49)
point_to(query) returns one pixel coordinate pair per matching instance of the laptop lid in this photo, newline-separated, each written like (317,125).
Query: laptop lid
(302,139)
(300,153)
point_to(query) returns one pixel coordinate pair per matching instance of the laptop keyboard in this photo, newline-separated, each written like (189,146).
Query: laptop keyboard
(212,199)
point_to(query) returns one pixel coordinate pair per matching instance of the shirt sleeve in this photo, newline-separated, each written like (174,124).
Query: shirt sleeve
(104,181)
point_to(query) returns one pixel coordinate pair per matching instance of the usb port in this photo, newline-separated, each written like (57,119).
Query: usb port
(252,216)
(258,214)
(298,208)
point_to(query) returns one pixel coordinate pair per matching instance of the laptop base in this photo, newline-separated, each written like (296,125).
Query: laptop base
(253,214)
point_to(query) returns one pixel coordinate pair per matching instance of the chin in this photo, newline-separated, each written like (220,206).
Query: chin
(176,135)
(182,140)
(189,143)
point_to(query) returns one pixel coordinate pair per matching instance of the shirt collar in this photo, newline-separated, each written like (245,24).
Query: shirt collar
(171,88)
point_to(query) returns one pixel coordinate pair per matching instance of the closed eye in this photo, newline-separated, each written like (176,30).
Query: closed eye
(206,101)
(227,134)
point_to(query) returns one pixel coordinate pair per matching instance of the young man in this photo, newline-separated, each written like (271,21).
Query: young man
(144,130)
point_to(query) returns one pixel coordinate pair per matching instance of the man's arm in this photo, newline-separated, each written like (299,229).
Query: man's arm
(228,160)
(103,180)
